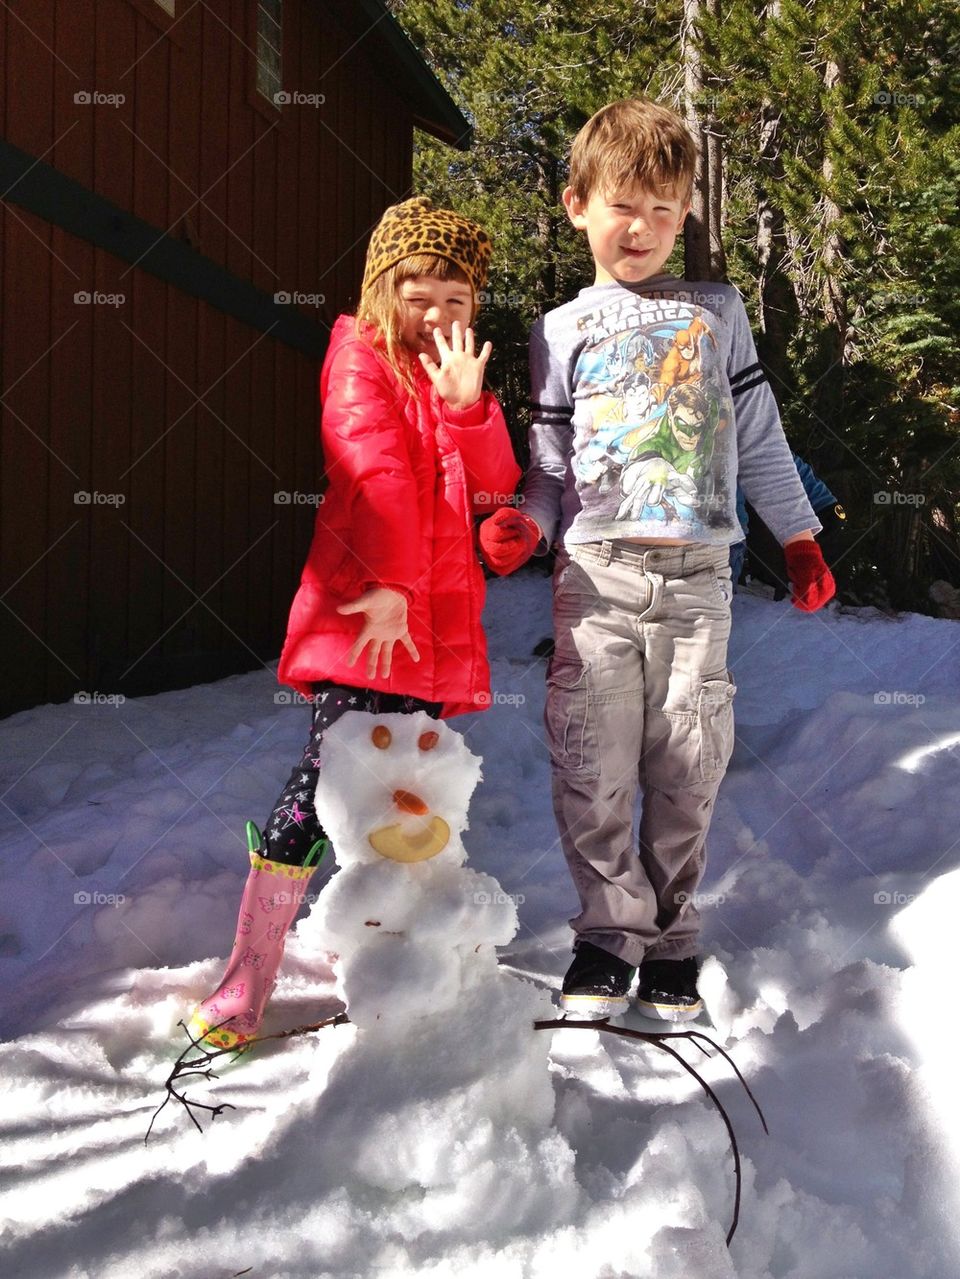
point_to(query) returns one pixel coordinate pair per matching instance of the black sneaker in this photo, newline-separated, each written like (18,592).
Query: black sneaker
(667,989)
(596,984)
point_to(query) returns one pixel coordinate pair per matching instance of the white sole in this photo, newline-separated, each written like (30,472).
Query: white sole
(670,1012)
(593,1007)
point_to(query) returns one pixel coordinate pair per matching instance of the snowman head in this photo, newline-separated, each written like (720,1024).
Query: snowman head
(394,787)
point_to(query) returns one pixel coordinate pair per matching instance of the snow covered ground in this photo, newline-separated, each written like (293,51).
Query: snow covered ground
(830,904)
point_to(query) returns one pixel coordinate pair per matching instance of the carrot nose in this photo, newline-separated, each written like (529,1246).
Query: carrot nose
(409,802)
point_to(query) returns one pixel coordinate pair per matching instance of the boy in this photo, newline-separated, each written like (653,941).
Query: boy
(649,405)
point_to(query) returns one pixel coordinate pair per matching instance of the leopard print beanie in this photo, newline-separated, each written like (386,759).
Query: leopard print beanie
(415,226)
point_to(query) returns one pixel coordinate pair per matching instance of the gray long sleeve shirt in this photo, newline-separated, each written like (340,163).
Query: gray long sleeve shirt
(649,406)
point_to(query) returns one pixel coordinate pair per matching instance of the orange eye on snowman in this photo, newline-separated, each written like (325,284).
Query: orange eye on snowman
(382,738)
(398,842)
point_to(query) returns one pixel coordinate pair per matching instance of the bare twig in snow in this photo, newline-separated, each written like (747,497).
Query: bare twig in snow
(657,1038)
(184,1068)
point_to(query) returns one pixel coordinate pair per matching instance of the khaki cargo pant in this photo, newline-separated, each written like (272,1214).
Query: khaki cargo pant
(638,694)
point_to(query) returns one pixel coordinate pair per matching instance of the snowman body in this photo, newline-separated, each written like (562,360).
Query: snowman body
(411,925)
(444,1086)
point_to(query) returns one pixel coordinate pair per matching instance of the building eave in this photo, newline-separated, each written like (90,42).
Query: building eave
(433,109)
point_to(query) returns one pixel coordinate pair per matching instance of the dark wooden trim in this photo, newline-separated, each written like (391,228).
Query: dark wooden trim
(173,28)
(433,109)
(39,187)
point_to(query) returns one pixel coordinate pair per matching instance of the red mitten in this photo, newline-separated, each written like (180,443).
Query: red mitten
(508,539)
(809,576)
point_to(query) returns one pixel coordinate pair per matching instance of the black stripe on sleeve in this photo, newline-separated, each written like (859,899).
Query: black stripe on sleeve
(748,386)
(552,410)
(751,368)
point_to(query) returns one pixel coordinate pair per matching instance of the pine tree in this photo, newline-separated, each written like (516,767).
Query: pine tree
(829,197)
(528,75)
(840,149)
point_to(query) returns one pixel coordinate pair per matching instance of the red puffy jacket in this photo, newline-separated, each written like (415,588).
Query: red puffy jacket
(406,476)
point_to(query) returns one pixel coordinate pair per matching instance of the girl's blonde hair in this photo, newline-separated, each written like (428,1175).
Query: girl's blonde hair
(382,308)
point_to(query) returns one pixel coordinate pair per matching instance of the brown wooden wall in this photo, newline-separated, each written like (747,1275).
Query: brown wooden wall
(188,418)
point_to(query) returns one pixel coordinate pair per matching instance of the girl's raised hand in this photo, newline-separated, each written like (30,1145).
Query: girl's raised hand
(385,624)
(459,375)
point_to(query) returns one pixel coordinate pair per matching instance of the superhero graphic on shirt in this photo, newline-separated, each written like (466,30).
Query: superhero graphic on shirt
(651,398)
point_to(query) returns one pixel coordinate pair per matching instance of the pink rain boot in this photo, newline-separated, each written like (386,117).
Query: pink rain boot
(271,897)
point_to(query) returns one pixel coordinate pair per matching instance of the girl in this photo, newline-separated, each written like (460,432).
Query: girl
(387,616)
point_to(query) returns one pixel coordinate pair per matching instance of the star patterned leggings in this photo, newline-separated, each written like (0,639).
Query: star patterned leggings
(293,827)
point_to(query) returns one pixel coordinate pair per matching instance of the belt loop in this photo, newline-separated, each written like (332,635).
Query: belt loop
(603,555)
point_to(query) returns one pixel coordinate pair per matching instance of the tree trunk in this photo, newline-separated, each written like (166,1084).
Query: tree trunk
(779,309)
(834,303)
(702,242)
(551,230)
(829,394)
(716,193)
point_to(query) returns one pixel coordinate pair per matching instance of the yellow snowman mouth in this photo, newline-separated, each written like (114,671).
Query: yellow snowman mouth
(400,845)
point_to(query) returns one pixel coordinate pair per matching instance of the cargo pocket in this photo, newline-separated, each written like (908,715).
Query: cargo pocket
(570,718)
(715,716)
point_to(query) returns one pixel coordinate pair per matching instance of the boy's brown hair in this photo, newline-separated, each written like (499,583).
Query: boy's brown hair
(633,142)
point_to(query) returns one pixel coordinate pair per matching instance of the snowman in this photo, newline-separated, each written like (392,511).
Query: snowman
(443,1087)
(411,925)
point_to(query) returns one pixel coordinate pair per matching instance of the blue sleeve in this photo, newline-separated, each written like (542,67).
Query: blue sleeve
(817,492)
(742,515)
